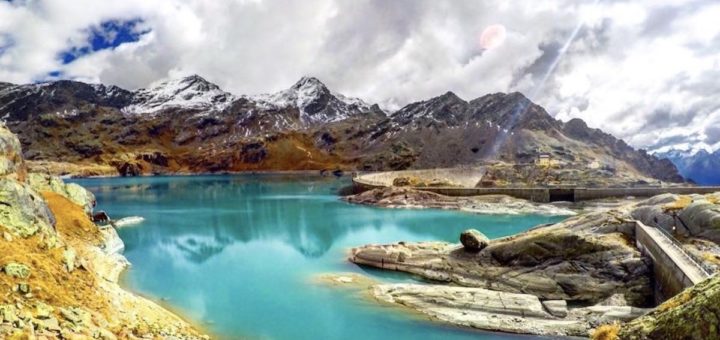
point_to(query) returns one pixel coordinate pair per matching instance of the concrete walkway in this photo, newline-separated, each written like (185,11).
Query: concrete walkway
(692,270)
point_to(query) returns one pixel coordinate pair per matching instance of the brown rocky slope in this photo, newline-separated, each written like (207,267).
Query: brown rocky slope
(191,125)
(58,271)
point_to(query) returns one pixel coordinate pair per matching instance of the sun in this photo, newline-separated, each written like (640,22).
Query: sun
(492,36)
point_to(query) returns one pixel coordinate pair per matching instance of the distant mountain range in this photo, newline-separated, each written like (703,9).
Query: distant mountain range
(191,125)
(702,167)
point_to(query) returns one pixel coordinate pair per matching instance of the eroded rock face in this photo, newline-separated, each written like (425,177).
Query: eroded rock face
(22,210)
(586,259)
(11,161)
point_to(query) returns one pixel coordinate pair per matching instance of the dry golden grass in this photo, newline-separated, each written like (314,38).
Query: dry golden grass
(606,332)
(73,224)
(681,203)
(676,301)
(49,280)
(711,257)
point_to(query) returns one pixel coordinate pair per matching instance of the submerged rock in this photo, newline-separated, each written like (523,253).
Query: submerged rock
(473,240)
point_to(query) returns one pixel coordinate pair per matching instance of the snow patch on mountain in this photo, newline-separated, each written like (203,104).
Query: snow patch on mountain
(314,101)
(190,93)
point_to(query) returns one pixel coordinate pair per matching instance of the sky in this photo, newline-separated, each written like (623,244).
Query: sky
(647,71)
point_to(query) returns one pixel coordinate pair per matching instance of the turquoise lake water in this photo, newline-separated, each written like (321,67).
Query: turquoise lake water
(238,254)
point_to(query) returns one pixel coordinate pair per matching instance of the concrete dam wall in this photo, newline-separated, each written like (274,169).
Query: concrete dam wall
(673,268)
(467,178)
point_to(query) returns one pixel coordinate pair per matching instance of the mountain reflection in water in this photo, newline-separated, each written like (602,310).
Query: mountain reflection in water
(239,252)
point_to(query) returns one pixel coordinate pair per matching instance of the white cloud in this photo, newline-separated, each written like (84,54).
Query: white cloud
(643,70)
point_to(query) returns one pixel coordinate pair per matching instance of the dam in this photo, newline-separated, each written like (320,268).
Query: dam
(467,179)
(674,269)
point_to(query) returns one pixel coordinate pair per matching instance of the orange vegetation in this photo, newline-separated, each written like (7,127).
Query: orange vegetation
(606,332)
(50,281)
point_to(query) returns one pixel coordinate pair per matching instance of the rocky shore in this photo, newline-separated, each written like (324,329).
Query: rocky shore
(409,198)
(579,277)
(59,271)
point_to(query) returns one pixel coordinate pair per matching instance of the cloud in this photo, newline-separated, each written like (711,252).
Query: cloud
(643,70)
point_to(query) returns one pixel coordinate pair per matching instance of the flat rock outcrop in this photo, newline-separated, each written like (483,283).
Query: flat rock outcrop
(488,309)
(480,308)
(584,259)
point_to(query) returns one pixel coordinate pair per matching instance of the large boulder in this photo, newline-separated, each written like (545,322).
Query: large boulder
(702,218)
(74,192)
(22,210)
(652,212)
(473,240)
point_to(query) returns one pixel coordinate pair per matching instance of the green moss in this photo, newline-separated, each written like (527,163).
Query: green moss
(693,314)
(18,270)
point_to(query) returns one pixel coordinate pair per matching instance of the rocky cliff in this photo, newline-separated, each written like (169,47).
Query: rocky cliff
(58,271)
(191,125)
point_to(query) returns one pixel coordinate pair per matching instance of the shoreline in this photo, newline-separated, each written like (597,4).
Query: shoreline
(221,173)
(164,304)
(581,274)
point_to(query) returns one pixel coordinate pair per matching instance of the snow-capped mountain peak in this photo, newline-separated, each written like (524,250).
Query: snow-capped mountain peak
(191,93)
(314,101)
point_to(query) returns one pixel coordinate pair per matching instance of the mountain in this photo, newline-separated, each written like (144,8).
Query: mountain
(191,125)
(190,93)
(315,102)
(701,166)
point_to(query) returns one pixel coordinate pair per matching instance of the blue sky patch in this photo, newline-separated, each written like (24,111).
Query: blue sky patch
(107,35)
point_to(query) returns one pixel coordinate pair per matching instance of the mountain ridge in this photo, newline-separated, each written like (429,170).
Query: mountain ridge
(701,166)
(191,125)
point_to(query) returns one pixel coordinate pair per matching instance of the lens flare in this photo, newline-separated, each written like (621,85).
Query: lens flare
(492,37)
(522,107)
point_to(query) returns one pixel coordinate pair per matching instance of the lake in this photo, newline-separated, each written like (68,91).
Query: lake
(238,254)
